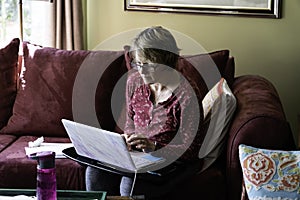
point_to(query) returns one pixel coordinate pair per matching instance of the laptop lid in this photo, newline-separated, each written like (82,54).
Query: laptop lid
(102,145)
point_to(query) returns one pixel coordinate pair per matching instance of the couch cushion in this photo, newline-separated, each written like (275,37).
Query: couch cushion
(8,79)
(6,140)
(47,92)
(212,66)
(18,171)
(270,174)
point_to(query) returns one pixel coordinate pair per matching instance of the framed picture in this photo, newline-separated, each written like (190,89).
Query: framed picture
(255,8)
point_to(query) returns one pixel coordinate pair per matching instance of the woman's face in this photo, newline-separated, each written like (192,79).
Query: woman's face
(150,72)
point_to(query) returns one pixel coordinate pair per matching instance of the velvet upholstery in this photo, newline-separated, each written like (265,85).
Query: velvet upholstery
(214,65)
(45,95)
(45,91)
(6,140)
(14,161)
(8,77)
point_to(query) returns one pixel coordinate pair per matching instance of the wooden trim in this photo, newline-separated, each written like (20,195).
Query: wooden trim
(21,18)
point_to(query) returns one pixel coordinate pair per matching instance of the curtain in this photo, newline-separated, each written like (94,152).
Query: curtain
(66,24)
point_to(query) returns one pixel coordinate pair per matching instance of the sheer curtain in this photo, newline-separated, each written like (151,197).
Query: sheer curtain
(55,23)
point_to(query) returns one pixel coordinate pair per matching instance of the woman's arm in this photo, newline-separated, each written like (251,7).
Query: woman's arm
(130,88)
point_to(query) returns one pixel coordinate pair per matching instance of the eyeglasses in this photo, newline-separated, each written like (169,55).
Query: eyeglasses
(150,67)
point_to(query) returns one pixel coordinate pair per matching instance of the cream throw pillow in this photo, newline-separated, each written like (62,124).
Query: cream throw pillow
(220,103)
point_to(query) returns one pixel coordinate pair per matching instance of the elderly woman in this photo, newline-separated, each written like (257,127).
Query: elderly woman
(163,116)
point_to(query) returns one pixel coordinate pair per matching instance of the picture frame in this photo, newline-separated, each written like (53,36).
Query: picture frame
(251,8)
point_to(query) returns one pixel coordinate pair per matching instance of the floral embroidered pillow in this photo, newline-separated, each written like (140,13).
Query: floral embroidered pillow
(270,174)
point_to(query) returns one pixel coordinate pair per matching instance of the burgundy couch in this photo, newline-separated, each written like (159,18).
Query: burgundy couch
(33,105)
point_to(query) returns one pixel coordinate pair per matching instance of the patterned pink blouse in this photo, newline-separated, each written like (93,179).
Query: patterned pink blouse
(180,115)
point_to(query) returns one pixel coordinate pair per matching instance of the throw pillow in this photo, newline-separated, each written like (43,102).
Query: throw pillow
(46,92)
(8,79)
(219,105)
(212,66)
(204,70)
(270,174)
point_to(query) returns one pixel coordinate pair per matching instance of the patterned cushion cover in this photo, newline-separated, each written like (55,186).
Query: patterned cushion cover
(270,174)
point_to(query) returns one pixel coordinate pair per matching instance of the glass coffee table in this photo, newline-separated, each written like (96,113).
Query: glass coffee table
(61,194)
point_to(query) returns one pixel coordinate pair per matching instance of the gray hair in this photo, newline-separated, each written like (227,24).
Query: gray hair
(157,45)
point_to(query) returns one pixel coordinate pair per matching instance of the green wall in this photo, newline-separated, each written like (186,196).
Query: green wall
(263,46)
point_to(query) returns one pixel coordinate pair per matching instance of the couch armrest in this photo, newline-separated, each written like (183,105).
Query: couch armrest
(259,121)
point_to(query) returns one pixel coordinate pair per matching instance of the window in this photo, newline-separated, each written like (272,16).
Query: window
(24,19)
(9,21)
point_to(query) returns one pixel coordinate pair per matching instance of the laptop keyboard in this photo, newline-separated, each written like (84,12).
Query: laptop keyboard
(140,162)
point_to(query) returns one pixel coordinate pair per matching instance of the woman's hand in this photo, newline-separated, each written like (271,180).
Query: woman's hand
(139,141)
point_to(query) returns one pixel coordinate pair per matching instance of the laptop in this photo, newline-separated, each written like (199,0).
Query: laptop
(107,147)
